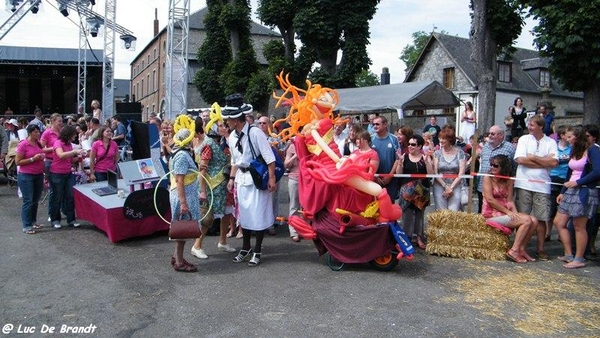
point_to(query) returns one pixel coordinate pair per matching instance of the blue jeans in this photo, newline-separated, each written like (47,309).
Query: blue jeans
(62,197)
(31,186)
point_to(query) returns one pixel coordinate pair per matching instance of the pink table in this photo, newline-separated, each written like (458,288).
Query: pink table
(106,213)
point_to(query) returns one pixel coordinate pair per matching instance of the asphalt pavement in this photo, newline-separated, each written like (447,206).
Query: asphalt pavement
(75,280)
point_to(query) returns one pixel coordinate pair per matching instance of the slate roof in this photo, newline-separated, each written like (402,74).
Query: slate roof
(52,56)
(197,22)
(459,50)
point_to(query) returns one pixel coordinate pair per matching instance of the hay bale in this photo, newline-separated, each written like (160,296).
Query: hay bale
(464,235)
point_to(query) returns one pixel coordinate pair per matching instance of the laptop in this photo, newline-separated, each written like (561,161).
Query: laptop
(111,189)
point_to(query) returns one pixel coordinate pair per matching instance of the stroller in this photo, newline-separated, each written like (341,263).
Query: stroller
(8,167)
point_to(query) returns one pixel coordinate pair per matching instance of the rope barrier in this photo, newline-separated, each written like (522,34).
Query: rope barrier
(468,177)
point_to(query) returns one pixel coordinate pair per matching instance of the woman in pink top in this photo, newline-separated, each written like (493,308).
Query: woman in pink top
(579,196)
(103,156)
(30,159)
(363,143)
(61,178)
(499,207)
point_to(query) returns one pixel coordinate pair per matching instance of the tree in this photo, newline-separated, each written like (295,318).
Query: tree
(410,53)
(227,55)
(323,33)
(366,78)
(567,34)
(494,27)
(213,55)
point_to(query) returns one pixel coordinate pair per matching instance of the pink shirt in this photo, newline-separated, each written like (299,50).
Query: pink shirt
(577,167)
(61,165)
(104,161)
(28,151)
(49,137)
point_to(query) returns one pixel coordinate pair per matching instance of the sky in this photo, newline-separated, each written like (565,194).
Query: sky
(391,28)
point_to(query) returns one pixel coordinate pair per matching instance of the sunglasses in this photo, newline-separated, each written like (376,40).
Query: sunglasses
(412,144)
(495,165)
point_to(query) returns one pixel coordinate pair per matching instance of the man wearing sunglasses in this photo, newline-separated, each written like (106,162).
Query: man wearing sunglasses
(385,144)
(496,145)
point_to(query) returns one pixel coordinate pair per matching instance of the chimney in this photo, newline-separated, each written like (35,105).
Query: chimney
(155,21)
(385,76)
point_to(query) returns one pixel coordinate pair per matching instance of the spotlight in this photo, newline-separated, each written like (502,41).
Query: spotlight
(62,8)
(35,6)
(94,25)
(128,41)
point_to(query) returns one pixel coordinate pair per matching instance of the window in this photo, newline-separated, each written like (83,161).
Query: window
(142,65)
(544,78)
(504,72)
(148,59)
(449,78)
(154,84)
(142,89)
(155,53)
(148,83)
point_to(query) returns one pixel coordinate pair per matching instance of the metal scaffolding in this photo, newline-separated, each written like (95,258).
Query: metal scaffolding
(177,58)
(19,12)
(108,70)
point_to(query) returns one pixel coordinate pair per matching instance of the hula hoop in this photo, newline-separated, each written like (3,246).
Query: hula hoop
(207,184)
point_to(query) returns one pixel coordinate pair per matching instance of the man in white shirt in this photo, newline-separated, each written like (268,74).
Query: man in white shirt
(535,155)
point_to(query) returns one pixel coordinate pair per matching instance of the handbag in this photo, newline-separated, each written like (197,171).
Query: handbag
(184,229)
(416,193)
(464,194)
(259,170)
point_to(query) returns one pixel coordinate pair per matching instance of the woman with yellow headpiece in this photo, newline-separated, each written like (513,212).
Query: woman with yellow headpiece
(184,184)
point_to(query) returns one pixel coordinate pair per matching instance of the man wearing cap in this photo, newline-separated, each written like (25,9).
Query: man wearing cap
(255,206)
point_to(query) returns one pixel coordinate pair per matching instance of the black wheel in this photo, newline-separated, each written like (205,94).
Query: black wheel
(384,263)
(333,264)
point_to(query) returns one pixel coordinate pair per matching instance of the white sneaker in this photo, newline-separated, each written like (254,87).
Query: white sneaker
(56,226)
(74,225)
(226,248)
(199,253)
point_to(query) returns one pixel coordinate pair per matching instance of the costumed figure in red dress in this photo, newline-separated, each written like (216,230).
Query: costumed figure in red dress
(335,192)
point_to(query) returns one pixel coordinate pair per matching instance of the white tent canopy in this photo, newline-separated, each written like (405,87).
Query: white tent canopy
(404,96)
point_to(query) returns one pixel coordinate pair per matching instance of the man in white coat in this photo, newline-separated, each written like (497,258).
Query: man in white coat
(255,206)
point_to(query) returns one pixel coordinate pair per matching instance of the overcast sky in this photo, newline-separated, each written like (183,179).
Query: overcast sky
(391,28)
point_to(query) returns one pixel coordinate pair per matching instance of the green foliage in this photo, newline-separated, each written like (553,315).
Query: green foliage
(220,74)
(208,84)
(260,83)
(567,33)
(505,19)
(325,27)
(366,78)
(410,53)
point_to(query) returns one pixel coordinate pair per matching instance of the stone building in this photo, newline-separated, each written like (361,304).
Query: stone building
(148,67)
(446,59)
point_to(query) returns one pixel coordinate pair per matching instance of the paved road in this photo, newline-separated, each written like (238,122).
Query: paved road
(77,278)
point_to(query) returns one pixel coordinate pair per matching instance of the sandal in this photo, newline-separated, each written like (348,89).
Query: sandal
(577,263)
(566,258)
(542,255)
(36,226)
(510,254)
(239,234)
(241,256)
(30,232)
(173,261)
(255,259)
(185,267)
